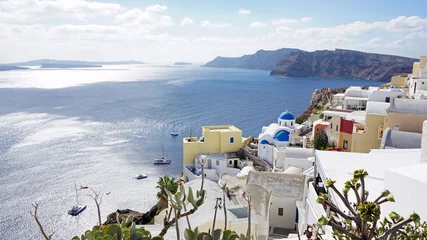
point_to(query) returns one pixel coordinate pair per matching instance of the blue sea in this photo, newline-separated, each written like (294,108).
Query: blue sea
(101,127)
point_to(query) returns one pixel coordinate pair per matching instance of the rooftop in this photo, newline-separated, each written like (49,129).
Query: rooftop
(377,108)
(417,172)
(400,139)
(224,128)
(410,106)
(340,166)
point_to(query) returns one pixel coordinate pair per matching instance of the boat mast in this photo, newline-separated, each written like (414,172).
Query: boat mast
(77,196)
(163,151)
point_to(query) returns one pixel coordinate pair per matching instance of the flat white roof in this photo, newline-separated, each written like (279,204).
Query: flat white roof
(340,166)
(356,116)
(357,98)
(378,108)
(417,172)
(335,113)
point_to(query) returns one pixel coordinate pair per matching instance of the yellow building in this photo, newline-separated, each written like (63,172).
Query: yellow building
(368,136)
(215,139)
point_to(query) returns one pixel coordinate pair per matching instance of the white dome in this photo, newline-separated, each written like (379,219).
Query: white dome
(245,171)
(293,170)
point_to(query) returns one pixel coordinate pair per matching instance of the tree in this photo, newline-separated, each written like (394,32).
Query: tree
(320,140)
(36,208)
(166,184)
(217,205)
(360,219)
(97,197)
(248,199)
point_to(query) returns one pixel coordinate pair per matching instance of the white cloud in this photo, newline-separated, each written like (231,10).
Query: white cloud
(208,24)
(257,25)
(187,21)
(306,19)
(30,10)
(283,21)
(400,42)
(417,35)
(153,17)
(375,40)
(243,11)
(284,30)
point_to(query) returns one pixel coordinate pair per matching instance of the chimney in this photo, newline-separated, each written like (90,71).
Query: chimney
(424,144)
(396,128)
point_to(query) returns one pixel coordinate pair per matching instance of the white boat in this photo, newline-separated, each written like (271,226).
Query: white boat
(163,160)
(76,209)
(174,133)
(141,176)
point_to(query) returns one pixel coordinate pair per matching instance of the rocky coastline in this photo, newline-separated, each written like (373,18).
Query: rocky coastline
(319,100)
(138,217)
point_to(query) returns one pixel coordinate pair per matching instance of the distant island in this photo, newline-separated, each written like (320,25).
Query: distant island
(342,64)
(10,68)
(262,59)
(182,63)
(40,62)
(56,65)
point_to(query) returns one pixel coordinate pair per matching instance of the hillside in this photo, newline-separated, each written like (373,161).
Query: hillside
(10,68)
(262,59)
(342,64)
(40,62)
(56,65)
(182,63)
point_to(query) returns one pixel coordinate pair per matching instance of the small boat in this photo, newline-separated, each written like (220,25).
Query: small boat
(141,176)
(173,133)
(163,160)
(76,209)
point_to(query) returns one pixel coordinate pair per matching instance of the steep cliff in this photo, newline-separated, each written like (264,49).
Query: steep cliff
(342,64)
(319,99)
(262,59)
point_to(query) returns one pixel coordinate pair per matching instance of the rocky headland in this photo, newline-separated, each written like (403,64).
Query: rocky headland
(262,59)
(342,64)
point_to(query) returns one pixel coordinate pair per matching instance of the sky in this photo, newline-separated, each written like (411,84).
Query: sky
(199,30)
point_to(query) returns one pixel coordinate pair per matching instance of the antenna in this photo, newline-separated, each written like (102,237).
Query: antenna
(191,137)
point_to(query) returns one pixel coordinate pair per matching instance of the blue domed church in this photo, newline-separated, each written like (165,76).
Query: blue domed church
(276,135)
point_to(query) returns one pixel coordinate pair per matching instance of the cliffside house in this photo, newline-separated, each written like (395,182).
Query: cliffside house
(355,98)
(417,82)
(407,115)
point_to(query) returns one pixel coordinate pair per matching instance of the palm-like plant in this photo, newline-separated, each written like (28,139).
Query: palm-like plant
(166,183)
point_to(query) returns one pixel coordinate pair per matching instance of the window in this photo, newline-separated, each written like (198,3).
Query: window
(231,162)
(387,99)
(331,125)
(217,162)
(292,123)
(336,128)
(232,140)
(345,144)
(280,211)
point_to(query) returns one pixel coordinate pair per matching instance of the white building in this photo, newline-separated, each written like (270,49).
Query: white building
(398,170)
(356,98)
(417,82)
(215,165)
(280,134)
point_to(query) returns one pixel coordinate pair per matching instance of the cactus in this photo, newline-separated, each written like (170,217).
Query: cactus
(217,235)
(126,230)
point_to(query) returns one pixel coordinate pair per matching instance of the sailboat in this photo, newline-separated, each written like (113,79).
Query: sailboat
(162,160)
(76,209)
